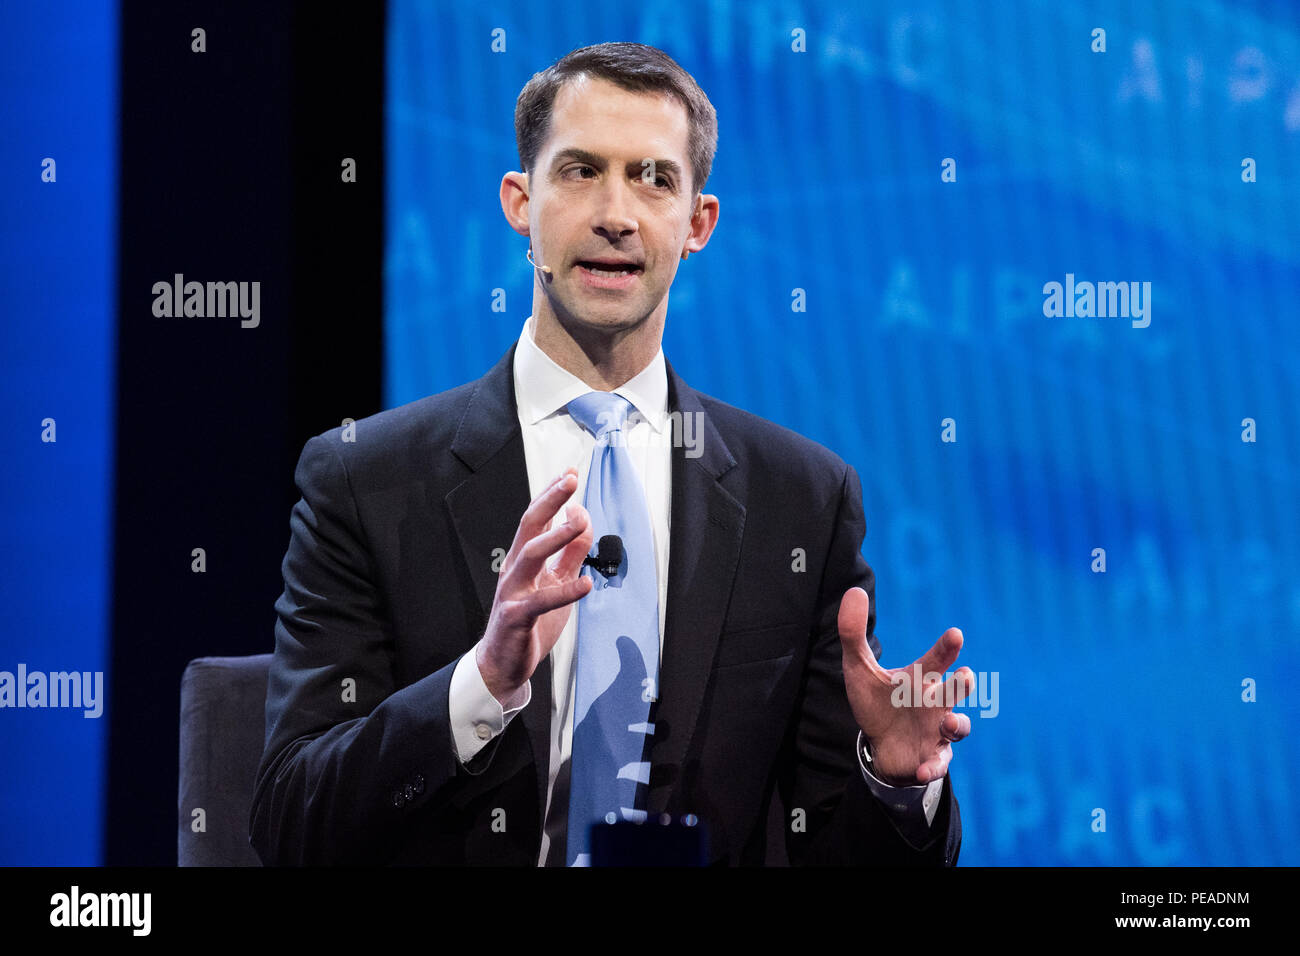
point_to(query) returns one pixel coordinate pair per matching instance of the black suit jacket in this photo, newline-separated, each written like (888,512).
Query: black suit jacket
(388,581)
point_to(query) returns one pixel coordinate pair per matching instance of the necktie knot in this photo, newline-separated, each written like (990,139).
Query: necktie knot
(600,412)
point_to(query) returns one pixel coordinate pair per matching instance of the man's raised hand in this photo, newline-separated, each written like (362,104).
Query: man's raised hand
(906,712)
(533,598)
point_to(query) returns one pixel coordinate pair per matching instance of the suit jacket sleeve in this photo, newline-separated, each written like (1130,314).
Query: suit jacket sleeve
(844,822)
(339,781)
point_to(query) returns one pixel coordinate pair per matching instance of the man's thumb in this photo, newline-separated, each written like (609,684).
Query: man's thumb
(854,610)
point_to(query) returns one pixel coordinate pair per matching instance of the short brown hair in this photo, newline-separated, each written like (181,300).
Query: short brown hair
(633,66)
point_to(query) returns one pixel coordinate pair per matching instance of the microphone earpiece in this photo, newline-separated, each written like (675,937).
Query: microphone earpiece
(546,270)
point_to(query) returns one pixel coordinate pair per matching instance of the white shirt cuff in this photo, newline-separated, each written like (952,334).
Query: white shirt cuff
(476,716)
(907,806)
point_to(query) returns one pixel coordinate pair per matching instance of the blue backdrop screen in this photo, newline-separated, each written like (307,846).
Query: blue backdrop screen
(58,351)
(915,177)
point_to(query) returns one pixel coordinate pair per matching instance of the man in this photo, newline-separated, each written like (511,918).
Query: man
(434,697)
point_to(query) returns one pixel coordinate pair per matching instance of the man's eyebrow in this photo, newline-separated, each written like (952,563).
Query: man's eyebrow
(591,159)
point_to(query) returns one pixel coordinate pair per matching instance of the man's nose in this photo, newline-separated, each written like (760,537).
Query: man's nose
(613,216)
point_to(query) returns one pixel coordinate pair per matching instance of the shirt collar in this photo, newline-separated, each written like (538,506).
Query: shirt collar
(543,388)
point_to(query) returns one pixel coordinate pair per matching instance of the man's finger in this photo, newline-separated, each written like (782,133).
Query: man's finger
(855,609)
(958,686)
(542,509)
(558,595)
(575,552)
(954,727)
(943,655)
(528,564)
(936,766)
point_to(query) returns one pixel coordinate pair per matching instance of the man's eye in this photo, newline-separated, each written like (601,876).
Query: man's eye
(581,169)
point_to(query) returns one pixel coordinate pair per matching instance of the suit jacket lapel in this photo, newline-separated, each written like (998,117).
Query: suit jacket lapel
(485,509)
(704,551)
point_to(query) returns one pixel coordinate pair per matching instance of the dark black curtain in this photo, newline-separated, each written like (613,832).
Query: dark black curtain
(230,171)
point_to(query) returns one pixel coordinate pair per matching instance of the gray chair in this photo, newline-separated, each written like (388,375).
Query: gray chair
(223,725)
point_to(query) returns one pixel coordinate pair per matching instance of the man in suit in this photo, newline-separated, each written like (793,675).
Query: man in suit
(421,704)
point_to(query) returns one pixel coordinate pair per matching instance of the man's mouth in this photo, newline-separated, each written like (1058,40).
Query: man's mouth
(609,268)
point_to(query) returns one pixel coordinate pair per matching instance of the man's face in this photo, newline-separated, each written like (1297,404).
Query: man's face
(611,232)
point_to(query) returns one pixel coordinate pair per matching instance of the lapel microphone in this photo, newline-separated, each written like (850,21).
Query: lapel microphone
(609,555)
(546,270)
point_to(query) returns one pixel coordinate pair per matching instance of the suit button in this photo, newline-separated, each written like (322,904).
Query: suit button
(482,731)
(398,799)
(419,783)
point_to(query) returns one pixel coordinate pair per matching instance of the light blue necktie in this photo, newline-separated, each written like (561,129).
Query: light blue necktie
(618,640)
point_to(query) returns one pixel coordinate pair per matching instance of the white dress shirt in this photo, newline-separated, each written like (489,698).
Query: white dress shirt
(553,441)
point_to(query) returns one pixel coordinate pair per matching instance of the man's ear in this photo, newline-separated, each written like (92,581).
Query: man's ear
(703,220)
(514,200)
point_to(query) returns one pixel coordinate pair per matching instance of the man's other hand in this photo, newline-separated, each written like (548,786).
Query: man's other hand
(533,598)
(905,712)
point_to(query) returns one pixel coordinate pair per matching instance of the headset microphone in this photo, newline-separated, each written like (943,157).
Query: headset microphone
(546,270)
